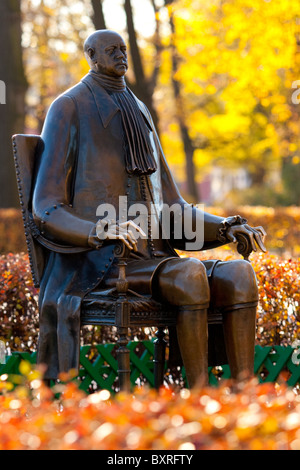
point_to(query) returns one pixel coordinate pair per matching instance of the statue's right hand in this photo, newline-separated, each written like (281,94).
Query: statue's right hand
(127,231)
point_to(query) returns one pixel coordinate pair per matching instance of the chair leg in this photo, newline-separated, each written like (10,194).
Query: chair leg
(123,361)
(159,357)
(122,322)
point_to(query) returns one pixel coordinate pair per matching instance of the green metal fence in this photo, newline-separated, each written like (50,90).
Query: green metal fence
(98,366)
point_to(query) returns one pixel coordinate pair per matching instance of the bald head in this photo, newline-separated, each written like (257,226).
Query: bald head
(106,53)
(102,35)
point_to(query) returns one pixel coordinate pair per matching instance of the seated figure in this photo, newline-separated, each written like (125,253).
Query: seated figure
(99,148)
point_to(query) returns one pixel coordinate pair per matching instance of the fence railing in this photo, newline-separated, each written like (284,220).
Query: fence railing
(98,366)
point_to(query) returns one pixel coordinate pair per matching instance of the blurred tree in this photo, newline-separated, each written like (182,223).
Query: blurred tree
(11,113)
(54,32)
(143,85)
(291,179)
(98,14)
(239,59)
(188,145)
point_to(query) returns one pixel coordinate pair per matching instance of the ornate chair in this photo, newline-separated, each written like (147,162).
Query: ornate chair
(122,308)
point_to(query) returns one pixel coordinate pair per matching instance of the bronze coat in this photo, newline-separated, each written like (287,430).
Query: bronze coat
(80,167)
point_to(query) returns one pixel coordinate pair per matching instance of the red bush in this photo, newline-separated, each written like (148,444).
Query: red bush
(279,300)
(278,319)
(18,303)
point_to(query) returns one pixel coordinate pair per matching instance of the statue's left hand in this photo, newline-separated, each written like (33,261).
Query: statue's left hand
(256,235)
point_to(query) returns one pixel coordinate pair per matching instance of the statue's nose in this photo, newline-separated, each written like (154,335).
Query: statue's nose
(120,55)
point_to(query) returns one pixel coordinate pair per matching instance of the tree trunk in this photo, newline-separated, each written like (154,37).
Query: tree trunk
(98,17)
(142,88)
(189,148)
(12,113)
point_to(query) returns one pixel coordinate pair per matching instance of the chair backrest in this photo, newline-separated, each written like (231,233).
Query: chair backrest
(26,149)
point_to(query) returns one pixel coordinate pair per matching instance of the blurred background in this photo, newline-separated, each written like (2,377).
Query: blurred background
(221,79)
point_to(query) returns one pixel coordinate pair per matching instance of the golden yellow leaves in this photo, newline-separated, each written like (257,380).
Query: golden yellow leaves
(243,56)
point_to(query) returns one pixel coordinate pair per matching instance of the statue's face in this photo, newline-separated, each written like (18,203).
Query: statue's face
(110,55)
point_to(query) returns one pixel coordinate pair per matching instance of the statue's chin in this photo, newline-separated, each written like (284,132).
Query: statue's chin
(121,70)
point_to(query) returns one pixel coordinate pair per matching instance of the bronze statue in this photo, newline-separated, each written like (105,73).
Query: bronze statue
(100,144)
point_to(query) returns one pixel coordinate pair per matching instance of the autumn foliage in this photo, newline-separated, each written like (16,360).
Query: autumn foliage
(278,313)
(281,224)
(18,303)
(278,279)
(12,231)
(238,78)
(251,416)
(279,300)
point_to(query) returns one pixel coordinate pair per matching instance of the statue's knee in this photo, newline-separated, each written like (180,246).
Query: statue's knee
(195,283)
(184,282)
(245,279)
(234,283)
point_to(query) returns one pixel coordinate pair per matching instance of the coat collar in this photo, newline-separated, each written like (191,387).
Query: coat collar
(107,108)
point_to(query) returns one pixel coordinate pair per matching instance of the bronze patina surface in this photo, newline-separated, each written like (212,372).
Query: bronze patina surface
(99,143)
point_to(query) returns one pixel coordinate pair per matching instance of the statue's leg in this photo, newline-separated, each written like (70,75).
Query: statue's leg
(183,282)
(239,332)
(47,353)
(193,344)
(68,332)
(234,291)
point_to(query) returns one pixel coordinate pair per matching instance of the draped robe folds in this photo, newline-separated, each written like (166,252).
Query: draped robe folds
(82,165)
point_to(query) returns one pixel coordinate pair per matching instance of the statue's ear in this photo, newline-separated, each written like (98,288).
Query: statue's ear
(91,52)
